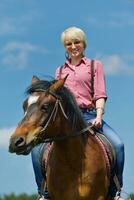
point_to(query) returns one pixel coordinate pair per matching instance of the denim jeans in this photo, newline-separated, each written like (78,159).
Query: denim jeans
(36,161)
(108,132)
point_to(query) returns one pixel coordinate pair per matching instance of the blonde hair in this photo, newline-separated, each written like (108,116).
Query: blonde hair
(74,33)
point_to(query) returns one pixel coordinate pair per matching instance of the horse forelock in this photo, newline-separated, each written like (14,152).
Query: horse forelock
(39,85)
(71,108)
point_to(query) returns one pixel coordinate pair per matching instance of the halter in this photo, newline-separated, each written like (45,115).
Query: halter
(52,116)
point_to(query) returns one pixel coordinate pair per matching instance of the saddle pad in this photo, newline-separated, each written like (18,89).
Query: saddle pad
(108,147)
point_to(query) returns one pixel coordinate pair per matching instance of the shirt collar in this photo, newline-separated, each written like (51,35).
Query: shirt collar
(83,60)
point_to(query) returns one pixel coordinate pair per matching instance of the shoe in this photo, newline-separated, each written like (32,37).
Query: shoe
(118,198)
(42,198)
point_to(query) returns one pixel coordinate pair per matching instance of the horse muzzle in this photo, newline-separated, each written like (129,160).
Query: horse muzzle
(18,145)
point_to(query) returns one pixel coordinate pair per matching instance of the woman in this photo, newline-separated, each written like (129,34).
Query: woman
(79,82)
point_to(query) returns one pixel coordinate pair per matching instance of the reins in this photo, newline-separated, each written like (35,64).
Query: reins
(53,115)
(60,138)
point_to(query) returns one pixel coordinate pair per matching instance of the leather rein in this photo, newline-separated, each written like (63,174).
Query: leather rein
(53,115)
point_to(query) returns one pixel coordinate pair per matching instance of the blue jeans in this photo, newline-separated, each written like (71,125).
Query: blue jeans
(108,132)
(36,161)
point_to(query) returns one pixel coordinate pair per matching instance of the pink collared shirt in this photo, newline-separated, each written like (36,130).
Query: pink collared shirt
(79,81)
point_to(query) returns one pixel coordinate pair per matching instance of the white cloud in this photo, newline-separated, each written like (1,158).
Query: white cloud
(5,134)
(115,20)
(7,25)
(19,45)
(15,54)
(123,18)
(115,64)
(11,25)
(18,24)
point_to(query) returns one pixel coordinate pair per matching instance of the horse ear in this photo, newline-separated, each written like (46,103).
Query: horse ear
(58,83)
(35,79)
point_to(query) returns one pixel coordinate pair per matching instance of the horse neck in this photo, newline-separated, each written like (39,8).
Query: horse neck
(74,146)
(70,149)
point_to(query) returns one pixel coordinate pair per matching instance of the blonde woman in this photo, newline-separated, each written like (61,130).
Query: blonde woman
(91,99)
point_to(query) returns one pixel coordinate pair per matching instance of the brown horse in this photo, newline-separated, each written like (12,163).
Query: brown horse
(76,167)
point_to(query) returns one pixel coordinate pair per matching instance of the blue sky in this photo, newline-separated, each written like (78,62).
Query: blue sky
(30,45)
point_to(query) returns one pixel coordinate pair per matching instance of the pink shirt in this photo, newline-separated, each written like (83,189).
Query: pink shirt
(79,81)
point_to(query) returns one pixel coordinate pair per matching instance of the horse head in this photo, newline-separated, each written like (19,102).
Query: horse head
(41,110)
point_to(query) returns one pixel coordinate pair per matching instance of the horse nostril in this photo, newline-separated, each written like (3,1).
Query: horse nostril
(19,142)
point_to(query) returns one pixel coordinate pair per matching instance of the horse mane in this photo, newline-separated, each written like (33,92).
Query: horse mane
(71,108)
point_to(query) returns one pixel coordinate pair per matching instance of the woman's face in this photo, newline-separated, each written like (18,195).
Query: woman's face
(74,48)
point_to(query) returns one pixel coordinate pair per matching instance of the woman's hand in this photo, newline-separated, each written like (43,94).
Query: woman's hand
(97,122)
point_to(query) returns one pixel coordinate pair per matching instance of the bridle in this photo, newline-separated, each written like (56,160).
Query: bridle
(52,117)
(54,113)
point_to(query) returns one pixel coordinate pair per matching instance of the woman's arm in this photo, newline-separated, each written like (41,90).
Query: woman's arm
(100,105)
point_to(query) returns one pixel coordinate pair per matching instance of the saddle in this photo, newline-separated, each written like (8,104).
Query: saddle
(106,147)
(110,155)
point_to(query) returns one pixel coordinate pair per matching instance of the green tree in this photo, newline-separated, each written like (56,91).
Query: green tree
(131,196)
(22,196)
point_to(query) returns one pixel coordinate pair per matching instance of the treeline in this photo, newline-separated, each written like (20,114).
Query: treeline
(24,196)
(131,197)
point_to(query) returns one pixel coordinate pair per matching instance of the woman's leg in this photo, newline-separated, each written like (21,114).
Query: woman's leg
(119,149)
(36,154)
(36,161)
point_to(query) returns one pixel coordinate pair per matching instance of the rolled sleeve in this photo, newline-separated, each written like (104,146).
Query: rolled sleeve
(99,81)
(57,73)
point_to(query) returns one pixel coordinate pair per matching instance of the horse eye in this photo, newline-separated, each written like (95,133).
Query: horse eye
(44,108)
